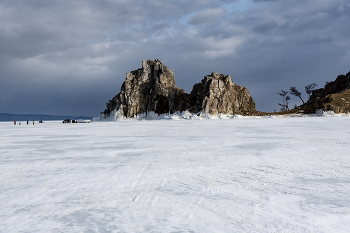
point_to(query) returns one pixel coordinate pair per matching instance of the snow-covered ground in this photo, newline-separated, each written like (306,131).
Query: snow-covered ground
(236,175)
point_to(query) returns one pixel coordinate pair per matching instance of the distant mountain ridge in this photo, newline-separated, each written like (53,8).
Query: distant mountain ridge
(37,117)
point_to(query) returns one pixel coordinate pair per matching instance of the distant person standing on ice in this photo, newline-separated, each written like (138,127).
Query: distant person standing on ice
(14,122)
(27,122)
(19,123)
(33,122)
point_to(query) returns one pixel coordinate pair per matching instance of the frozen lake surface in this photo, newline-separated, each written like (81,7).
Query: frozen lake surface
(236,175)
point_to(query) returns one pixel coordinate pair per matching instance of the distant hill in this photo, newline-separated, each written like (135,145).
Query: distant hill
(335,96)
(37,117)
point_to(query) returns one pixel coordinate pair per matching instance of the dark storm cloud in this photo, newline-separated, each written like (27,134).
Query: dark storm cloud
(265,27)
(70,57)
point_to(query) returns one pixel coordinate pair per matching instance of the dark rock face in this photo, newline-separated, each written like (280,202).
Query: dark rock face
(335,96)
(340,84)
(153,88)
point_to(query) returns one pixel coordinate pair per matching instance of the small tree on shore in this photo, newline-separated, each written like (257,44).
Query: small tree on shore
(285,99)
(295,92)
(309,88)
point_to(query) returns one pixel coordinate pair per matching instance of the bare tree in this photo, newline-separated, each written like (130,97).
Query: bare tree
(295,92)
(285,99)
(309,88)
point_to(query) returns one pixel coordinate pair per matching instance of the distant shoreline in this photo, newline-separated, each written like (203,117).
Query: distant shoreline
(38,117)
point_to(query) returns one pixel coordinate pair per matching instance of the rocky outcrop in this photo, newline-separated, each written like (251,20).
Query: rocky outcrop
(338,103)
(342,83)
(335,96)
(218,94)
(153,88)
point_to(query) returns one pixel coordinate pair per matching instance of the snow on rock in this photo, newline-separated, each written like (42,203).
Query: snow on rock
(186,115)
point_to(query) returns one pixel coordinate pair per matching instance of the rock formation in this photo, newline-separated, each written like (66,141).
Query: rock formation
(153,88)
(335,96)
(218,94)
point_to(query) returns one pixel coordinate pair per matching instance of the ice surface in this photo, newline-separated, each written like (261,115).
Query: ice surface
(236,175)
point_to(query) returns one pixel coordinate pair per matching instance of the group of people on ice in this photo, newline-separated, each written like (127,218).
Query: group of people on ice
(19,123)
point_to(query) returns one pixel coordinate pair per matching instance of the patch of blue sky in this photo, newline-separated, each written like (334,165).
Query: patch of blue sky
(240,5)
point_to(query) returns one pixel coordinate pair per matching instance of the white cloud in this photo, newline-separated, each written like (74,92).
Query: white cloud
(217,48)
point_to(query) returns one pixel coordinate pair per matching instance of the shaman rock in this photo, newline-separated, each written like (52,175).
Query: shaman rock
(217,93)
(153,88)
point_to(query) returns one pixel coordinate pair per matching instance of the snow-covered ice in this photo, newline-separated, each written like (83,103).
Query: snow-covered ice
(236,175)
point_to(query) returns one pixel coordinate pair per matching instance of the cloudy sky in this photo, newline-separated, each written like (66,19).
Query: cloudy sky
(69,57)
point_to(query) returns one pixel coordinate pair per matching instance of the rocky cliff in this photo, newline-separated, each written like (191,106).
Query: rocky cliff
(153,88)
